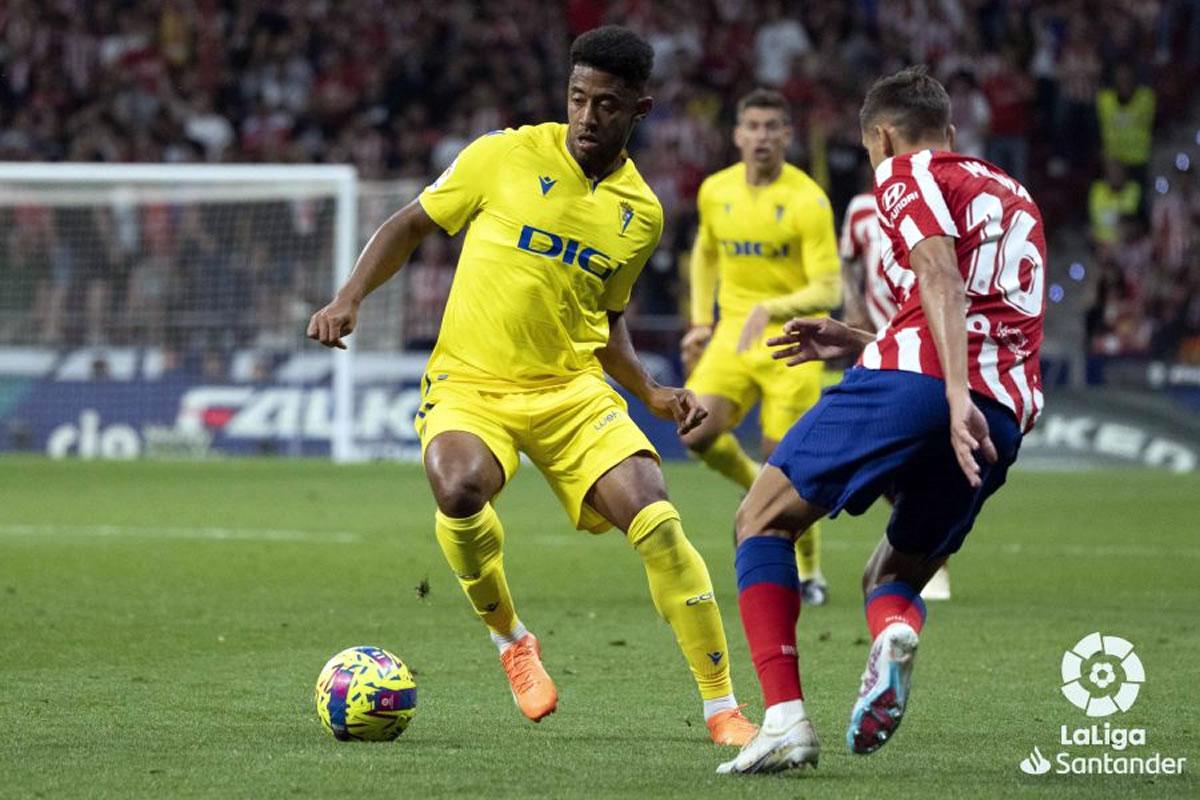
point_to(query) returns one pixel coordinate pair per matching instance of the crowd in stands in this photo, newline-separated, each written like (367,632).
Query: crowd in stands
(1067,95)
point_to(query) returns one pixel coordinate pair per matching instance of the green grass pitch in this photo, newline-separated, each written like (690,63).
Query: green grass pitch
(163,625)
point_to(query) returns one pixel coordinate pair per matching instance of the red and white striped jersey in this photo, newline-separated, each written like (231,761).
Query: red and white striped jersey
(862,241)
(1001,247)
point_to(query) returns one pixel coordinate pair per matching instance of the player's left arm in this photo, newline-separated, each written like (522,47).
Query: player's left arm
(822,266)
(621,362)
(854,281)
(618,357)
(854,275)
(944,301)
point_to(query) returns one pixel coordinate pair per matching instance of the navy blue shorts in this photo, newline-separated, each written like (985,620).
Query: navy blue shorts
(888,432)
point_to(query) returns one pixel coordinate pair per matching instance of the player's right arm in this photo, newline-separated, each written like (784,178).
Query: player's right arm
(807,339)
(854,278)
(449,203)
(944,301)
(388,250)
(928,231)
(702,271)
(854,307)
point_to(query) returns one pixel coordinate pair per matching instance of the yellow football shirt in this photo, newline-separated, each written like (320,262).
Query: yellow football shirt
(548,253)
(772,242)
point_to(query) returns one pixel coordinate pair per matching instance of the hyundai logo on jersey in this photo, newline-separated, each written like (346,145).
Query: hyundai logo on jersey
(569,251)
(733,247)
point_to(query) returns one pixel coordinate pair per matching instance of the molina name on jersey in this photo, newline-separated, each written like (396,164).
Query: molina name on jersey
(1001,248)
(548,253)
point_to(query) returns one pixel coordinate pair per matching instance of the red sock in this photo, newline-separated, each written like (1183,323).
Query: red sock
(769,601)
(894,602)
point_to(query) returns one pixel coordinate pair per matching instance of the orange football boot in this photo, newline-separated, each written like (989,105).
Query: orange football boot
(532,689)
(730,727)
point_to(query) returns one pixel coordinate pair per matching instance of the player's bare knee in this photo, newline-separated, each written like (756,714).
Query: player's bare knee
(461,497)
(463,474)
(459,489)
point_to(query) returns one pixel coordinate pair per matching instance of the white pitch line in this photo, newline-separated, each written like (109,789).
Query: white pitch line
(1043,548)
(202,533)
(573,538)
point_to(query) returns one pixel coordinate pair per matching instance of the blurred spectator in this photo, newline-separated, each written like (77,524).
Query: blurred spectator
(1115,322)
(1126,115)
(1079,78)
(204,126)
(20,276)
(1133,252)
(1043,67)
(1175,219)
(100,370)
(1010,95)
(399,89)
(151,284)
(970,114)
(1168,28)
(780,39)
(212,366)
(1110,199)
(262,370)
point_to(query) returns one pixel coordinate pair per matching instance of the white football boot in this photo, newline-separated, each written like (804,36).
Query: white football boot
(776,748)
(883,695)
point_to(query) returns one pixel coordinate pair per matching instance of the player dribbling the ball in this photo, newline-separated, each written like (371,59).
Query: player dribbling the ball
(559,225)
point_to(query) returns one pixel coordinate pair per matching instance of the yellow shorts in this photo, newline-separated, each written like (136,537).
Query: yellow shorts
(573,433)
(745,378)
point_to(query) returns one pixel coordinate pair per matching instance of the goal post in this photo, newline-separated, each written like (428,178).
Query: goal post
(112,275)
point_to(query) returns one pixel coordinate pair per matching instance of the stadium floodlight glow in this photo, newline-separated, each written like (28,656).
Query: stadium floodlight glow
(223,188)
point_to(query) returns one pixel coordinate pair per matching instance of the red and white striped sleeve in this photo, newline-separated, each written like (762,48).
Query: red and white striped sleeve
(910,200)
(851,245)
(847,246)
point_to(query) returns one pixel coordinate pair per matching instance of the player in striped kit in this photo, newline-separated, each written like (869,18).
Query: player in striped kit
(867,296)
(934,411)
(869,305)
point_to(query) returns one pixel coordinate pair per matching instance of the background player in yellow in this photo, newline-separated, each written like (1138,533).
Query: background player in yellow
(560,223)
(767,250)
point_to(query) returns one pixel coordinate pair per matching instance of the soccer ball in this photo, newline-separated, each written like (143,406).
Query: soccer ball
(365,694)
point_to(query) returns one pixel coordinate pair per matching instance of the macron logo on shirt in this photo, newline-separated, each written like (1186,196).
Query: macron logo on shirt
(547,184)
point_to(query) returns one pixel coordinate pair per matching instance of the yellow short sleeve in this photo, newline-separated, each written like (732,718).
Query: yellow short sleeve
(461,190)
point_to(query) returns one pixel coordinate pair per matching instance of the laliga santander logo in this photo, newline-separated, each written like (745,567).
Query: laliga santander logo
(1102,675)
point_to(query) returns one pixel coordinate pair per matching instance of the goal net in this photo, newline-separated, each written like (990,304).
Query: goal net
(161,310)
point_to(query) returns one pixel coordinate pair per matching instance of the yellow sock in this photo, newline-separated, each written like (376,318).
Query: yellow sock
(473,547)
(683,594)
(727,457)
(808,553)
